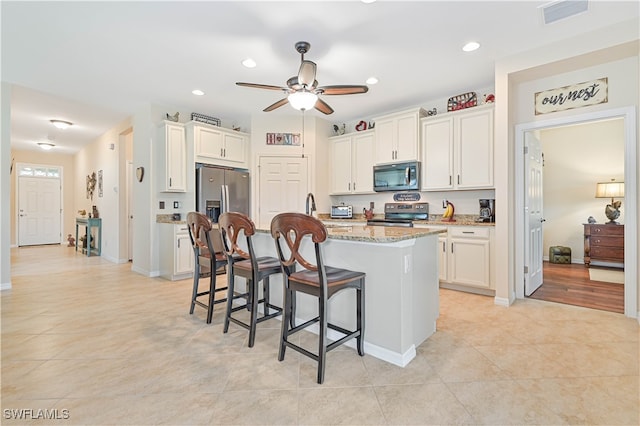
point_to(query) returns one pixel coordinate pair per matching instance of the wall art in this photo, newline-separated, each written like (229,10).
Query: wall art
(99,183)
(575,96)
(292,139)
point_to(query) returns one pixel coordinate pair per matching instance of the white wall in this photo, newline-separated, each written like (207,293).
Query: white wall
(95,157)
(5,160)
(575,159)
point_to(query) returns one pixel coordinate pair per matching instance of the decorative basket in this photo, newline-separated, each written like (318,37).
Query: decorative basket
(205,119)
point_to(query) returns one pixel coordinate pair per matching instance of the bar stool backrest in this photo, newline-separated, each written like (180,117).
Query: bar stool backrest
(232,225)
(200,233)
(292,228)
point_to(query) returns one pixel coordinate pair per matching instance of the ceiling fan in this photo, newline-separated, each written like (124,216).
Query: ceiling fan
(302,90)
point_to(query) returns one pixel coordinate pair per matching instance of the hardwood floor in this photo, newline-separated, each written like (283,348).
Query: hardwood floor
(570,284)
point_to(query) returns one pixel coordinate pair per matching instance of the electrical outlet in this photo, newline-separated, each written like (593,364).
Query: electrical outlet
(371,205)
(161,205)
(176,204)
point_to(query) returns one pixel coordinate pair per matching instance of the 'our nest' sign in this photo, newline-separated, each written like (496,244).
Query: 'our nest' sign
(575,96)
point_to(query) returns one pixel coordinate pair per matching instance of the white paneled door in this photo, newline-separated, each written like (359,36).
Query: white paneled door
(533,213)
(38,210)
(283,187)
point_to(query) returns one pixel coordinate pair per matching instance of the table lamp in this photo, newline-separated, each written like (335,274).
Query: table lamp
(611,190)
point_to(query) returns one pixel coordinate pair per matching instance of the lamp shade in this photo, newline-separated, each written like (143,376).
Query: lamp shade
(610,190)
(302,100)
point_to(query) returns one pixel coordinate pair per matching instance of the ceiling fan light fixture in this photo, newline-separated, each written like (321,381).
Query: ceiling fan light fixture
(46,145)
(302,100)
(61,124)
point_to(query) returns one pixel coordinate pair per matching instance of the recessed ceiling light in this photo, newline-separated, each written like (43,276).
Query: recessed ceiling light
(61,124)
(471,46)
(45,145)
(249,63)
(197,92)
(372,80)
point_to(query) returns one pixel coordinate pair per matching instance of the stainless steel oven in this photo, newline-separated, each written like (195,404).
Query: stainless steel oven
(402,214)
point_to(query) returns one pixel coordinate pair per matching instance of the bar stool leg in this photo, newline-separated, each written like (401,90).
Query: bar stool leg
(212,290)
(253,285)
(196,277)
(265,294)
(286,320)
(360,318)
(231,281)
(322,344)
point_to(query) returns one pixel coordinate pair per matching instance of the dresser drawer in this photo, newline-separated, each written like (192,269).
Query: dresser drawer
(607,230)
(602,241)
(609,253)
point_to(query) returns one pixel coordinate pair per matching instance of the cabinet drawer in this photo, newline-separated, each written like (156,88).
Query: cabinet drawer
(607,230)
(607,253)
(604,241)
(469,231)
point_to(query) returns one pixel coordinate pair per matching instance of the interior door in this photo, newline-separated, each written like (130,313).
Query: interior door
(283,187)
(39,214)
(533,212)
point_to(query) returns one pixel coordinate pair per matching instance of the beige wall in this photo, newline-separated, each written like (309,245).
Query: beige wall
(48,158)
(575,159)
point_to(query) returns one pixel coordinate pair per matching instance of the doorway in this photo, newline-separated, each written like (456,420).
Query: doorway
(630,178)
(39,191)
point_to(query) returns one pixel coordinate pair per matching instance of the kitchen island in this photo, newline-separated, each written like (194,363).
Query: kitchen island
(401,296)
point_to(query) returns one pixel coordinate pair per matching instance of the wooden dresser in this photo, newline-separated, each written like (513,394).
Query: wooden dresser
(604,243)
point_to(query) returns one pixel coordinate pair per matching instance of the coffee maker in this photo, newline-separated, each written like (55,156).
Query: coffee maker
(487,210)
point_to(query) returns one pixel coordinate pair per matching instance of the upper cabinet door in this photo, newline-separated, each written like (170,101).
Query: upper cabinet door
(437,162)
(385,141)
(407,140)
(475,149)
(363,149)
(172,155)
(341,180)
(398,136)
(235,147)
(209,143)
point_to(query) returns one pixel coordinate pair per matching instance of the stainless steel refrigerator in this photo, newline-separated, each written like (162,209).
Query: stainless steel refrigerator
(219,190)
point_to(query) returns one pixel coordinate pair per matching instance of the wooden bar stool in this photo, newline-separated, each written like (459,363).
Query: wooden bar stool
(206,262)
(316,279)
(248,266)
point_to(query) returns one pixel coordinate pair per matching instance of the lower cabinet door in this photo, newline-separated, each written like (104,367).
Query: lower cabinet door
(444,259)
(183,262)
(470,262)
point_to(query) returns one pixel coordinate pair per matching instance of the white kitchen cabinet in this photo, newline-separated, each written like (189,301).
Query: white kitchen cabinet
(457,150)
(398,136)
(469,256)
(176,252)
(172,157)
(352,163)
(466,257)
(217,145)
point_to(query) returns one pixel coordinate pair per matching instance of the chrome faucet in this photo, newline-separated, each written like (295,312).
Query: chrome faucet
(310,210)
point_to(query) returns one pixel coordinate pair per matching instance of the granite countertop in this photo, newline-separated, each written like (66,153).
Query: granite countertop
(460,220)
(168,218)
(374,234)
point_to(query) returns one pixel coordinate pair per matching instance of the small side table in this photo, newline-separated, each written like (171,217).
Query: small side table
(89,223)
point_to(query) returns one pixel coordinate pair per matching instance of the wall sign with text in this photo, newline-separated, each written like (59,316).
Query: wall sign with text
(292,139)
(575,96)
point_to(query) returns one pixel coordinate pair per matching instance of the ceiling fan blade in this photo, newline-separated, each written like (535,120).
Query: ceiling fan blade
(343,90)
(262,86)
(307,73)
(276,105)
(323,107)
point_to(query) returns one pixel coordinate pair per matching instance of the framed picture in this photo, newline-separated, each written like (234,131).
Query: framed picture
(292,139)
(99,183)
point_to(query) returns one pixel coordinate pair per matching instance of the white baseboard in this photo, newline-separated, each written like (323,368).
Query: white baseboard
(5,286)
(501,301)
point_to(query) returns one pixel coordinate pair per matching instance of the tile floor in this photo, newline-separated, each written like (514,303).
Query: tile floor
(92,341)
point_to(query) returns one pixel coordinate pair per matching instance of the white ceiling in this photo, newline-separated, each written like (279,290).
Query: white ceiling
(96,63)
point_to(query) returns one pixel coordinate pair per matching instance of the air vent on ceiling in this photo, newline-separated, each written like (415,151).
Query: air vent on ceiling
(558,10)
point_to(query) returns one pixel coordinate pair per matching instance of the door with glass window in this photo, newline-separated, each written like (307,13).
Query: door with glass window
(39,201)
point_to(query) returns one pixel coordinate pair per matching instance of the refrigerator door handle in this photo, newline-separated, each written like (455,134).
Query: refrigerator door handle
(224,199)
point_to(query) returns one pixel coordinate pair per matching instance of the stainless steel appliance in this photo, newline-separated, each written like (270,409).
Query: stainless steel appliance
(219,190)
(396,177)
(487,210)
(341,212)
(402,214)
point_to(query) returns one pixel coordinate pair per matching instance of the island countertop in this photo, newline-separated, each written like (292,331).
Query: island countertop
(374,234)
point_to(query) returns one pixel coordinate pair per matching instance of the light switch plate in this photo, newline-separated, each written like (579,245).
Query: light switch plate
(176,204)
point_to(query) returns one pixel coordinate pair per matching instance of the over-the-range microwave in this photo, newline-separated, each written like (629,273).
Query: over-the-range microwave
(397,177)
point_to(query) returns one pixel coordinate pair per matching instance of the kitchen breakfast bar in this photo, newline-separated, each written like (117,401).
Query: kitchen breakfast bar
(401,288)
